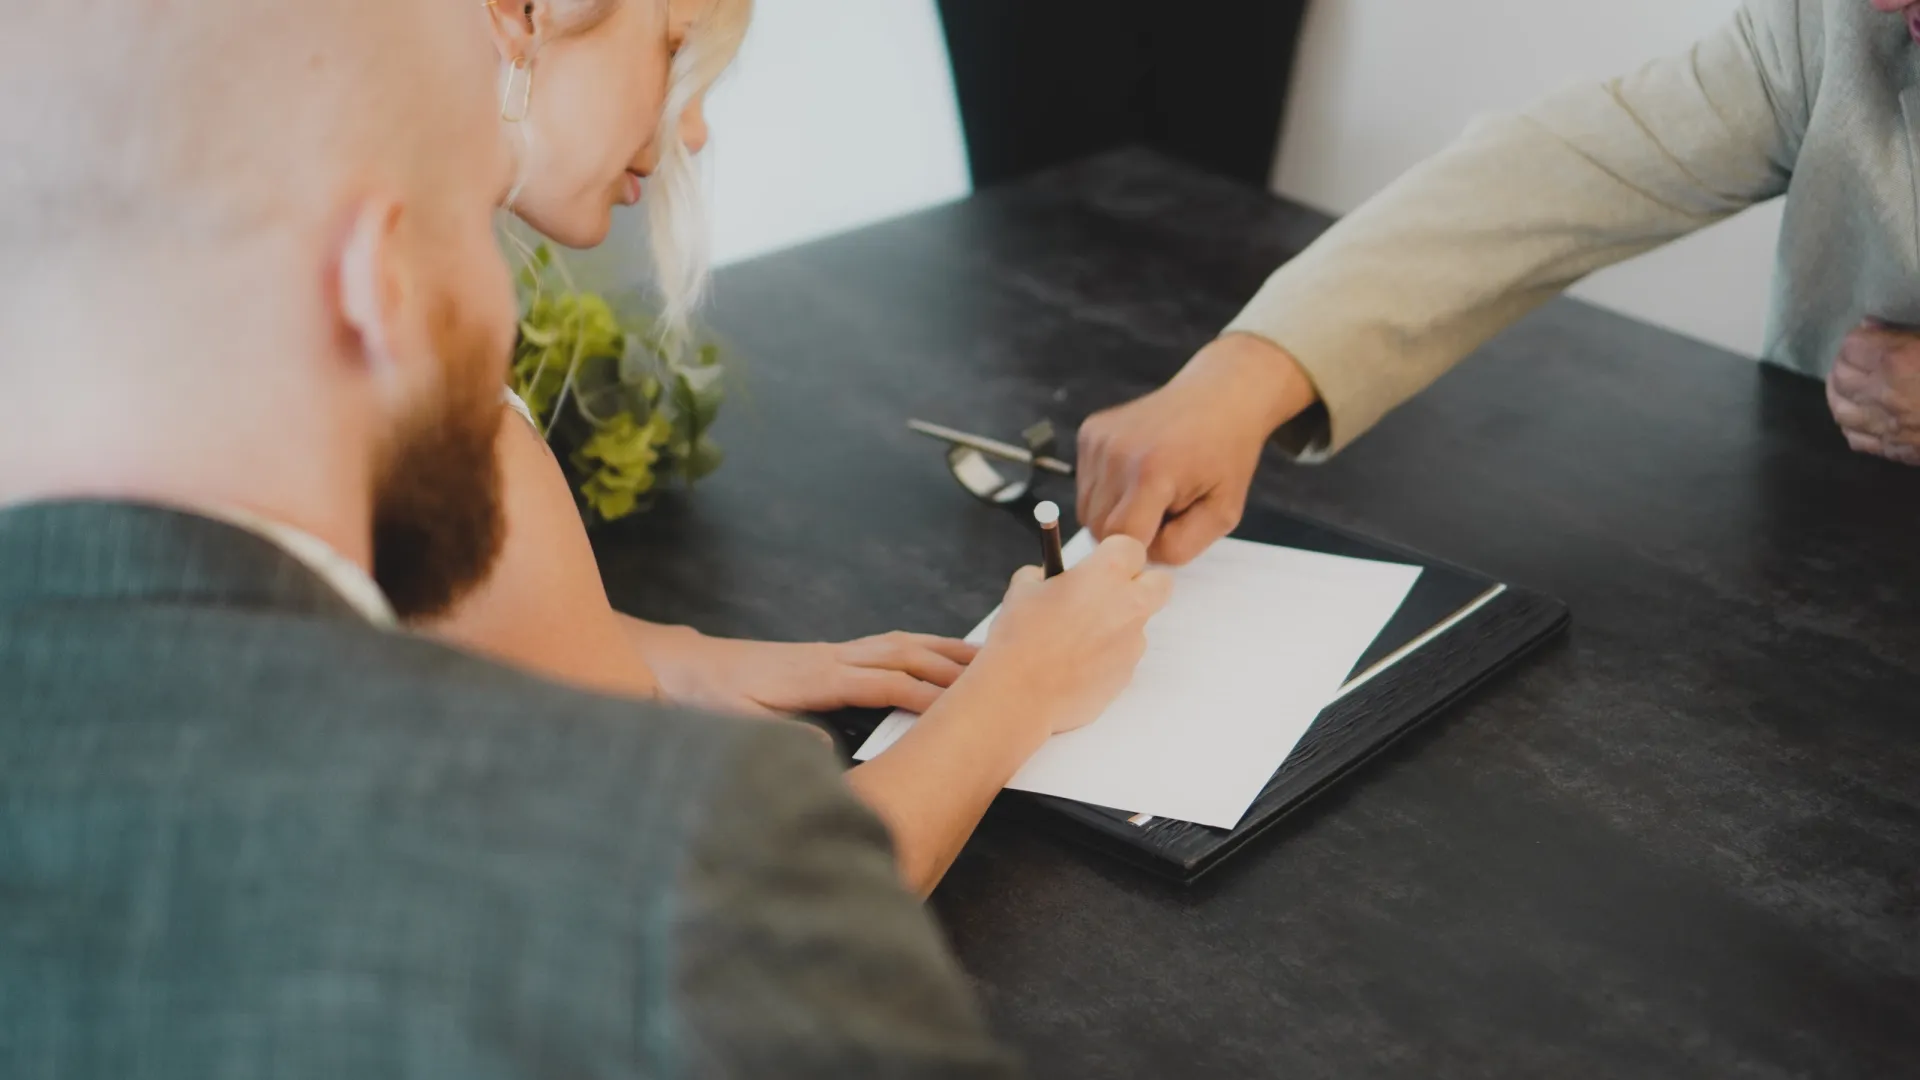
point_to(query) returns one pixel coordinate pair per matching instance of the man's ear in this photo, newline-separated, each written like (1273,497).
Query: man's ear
(518,27)
(372,289)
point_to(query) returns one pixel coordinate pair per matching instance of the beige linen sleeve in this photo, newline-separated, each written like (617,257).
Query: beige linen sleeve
(1523,206)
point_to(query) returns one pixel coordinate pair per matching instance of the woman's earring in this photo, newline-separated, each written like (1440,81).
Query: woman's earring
(521,73)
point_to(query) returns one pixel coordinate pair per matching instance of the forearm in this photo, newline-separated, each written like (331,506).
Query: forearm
(1251,379)
(1409,284)
(1521,207)
(932,787)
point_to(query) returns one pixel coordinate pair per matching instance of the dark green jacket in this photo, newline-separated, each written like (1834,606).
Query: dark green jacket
(245,834)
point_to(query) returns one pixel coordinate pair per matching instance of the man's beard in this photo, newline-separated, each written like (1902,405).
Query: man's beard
(438,522)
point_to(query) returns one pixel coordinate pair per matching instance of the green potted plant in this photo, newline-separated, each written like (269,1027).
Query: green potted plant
(630,416)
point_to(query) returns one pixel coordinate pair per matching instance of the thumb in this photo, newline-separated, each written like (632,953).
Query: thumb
(1186,537)
(1026,575)
(1121,555)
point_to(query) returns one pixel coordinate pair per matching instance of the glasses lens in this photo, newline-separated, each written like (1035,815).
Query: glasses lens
(984,479)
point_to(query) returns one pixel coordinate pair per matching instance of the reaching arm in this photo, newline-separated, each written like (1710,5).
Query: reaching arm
(1521,207)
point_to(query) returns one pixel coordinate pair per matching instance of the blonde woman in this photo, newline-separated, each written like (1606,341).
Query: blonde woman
(603,100)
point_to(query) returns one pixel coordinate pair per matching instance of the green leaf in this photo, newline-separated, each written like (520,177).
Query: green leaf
(634,400)
(538,376)
(614,493)
(636,481)
(658,430)
(640,414)
(698,392)
(537,335)
(622,444)
(598,392)
(704,460)
(611,505)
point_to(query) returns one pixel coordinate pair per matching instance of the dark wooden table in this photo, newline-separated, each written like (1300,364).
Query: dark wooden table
(1683,842)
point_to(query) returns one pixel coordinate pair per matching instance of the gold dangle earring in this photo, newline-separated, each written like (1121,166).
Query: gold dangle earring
(518,85)
(520,74)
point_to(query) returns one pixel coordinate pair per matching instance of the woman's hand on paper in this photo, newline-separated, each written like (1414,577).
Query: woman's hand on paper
(1065,648)
(764,678)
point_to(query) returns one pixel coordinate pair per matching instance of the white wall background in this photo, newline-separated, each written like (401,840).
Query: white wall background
(1381,84)
(837,114)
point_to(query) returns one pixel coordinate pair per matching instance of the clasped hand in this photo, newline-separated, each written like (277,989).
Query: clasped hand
(1874,391)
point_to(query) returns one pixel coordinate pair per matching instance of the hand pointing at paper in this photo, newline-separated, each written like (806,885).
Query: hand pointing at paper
(1172,469)
(1785,99)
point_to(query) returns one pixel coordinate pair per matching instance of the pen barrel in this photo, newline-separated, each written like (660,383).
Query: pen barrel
(1050,556)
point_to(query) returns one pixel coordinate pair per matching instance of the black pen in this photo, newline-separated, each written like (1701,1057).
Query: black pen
(1048,515)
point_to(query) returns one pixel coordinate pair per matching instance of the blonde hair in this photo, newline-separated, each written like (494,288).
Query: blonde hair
(676,200)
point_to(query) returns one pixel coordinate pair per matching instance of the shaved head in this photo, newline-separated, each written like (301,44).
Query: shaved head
(247,258)
(198,119)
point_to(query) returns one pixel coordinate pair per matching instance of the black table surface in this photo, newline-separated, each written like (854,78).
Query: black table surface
(1684,841)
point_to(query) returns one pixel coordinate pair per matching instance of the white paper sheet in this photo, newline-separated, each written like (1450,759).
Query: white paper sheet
(1256,641)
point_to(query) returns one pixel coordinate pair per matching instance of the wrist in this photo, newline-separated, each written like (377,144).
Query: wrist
(1002,691)
(1256,375)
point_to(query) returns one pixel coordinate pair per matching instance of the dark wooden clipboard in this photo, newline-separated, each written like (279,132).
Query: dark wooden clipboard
(1456,631)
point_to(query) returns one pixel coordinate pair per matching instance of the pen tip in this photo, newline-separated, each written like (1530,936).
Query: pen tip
(1047,514)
